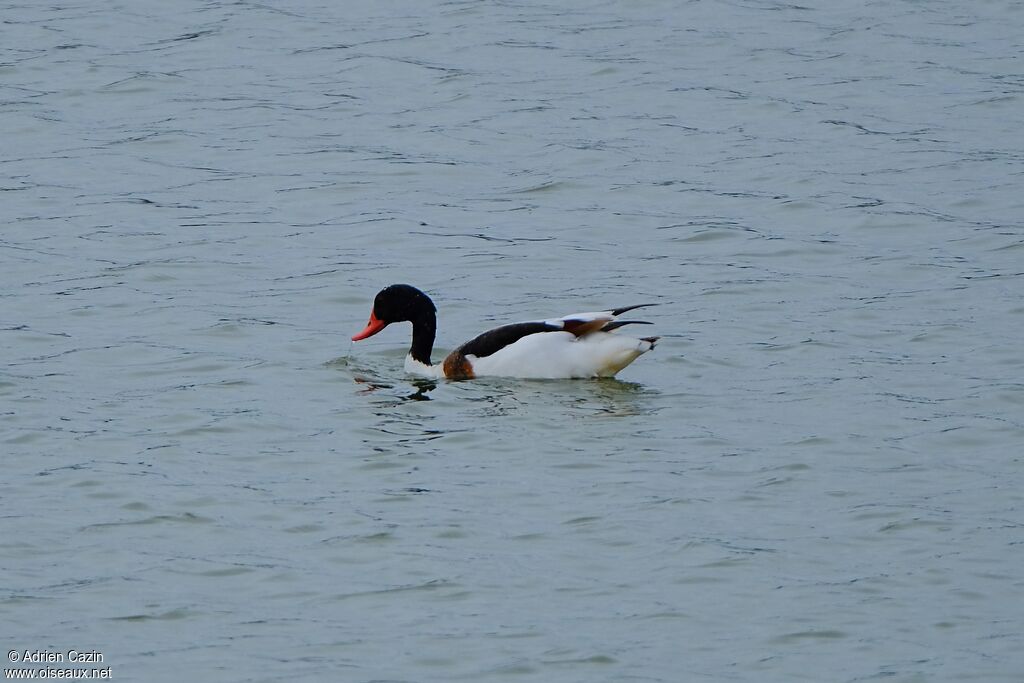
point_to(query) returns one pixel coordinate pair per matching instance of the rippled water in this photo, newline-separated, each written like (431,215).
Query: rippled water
(816,476)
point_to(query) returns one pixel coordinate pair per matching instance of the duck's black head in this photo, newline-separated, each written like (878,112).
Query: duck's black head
(399,303)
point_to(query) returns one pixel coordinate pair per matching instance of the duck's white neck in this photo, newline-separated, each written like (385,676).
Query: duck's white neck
(415,367)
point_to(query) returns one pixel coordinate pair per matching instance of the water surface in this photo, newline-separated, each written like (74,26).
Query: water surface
(815,476)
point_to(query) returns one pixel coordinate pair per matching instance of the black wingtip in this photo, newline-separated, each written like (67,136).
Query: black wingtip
(620,311)
(616,324)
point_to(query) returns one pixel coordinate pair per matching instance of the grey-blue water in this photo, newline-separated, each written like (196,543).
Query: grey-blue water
(816,476)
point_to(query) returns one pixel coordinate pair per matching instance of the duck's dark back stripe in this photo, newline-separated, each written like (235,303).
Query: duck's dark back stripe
(495,340)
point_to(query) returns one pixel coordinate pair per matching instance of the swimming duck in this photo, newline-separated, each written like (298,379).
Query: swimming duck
(576,346)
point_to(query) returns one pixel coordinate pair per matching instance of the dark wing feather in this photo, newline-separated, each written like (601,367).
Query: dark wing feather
(616,324)
(495,340)
(581,327)
(620,311)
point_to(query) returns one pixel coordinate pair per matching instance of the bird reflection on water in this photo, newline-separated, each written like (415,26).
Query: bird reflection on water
(607,396)
(422,388)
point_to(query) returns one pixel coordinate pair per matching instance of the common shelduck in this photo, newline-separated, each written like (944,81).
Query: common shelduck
(579,345)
